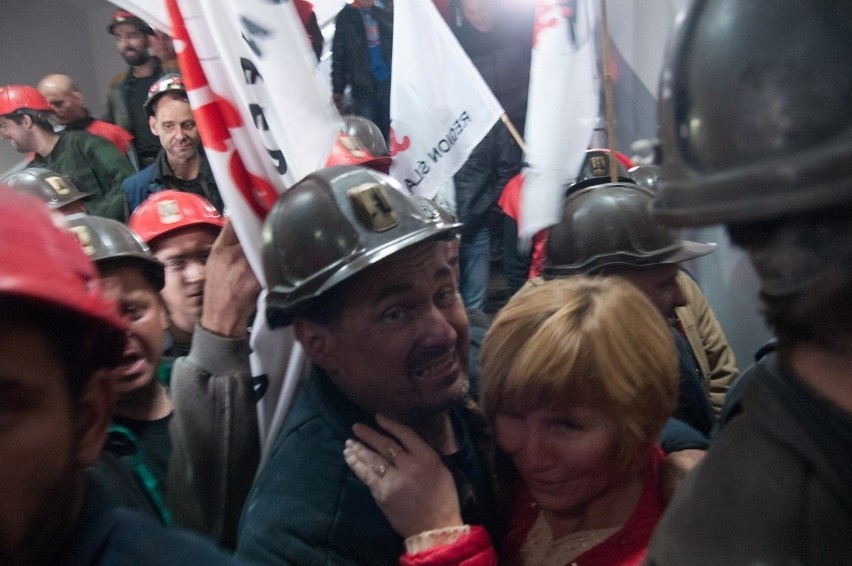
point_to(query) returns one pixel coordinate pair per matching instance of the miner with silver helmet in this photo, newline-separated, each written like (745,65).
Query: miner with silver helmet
(608,230)
(132,277)
(55,190)
(359,270)
(756,134)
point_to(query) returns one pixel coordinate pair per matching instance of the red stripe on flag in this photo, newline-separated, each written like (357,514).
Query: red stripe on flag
(214,119)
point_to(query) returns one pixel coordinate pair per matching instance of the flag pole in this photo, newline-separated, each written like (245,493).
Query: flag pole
(514,131)
(610,110)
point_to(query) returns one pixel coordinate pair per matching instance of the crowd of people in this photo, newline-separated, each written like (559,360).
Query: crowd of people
(600,418)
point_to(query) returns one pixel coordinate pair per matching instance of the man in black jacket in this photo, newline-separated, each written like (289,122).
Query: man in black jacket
(361,59)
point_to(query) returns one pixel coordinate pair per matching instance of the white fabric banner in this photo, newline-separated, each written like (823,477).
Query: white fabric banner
(562,110)
(266,120)
(440,106)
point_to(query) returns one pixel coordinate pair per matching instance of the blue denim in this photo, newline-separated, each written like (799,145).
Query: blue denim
(475,266)
(374,105)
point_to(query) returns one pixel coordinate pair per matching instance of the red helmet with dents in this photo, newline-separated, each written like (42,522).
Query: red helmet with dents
(43,264)
(124,17)
(21,97)
(167,211)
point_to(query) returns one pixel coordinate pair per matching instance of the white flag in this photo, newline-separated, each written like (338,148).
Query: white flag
(440,107)
(562,110)
(266,120)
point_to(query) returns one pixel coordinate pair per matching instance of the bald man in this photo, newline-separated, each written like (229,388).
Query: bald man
(66,100)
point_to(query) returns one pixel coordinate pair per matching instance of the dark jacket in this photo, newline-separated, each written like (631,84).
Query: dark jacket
(117,112)
(775,487)
(107,535)
(157,177)
(481,179)
(95,166)
(307,507)
(502,56)
(350,60)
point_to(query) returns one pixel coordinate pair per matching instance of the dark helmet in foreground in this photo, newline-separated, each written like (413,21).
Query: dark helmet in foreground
(755,114)
(330,226)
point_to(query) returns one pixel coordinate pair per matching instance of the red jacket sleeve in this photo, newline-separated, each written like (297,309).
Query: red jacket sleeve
(472,549)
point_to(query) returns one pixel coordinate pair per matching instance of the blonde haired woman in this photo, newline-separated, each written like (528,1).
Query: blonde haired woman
(579,377)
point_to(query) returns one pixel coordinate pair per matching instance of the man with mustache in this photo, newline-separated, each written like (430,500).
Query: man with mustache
(180,163)
(361,272)
(129,90)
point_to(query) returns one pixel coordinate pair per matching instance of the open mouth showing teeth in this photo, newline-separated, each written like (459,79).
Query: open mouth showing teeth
(436,367)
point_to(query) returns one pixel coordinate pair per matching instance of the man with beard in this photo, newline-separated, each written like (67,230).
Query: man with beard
(180,163)
(129,90)
(138,448)
(66,100)
(93,164)
(360,271)
(180,229)
(59,336)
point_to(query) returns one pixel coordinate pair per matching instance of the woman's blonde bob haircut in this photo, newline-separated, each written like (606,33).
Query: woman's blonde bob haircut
(597,340)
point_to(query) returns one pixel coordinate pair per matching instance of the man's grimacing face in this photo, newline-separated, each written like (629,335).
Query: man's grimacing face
(401,345)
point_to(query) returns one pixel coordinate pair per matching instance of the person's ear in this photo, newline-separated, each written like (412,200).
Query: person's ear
(94,413)
(164,314)
(152,123)
(318,342)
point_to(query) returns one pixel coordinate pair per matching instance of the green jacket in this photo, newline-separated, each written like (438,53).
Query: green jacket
(95,166)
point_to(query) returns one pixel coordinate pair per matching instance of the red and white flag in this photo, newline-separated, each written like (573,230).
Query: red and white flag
(562,109)
(440,106)
(266,120)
